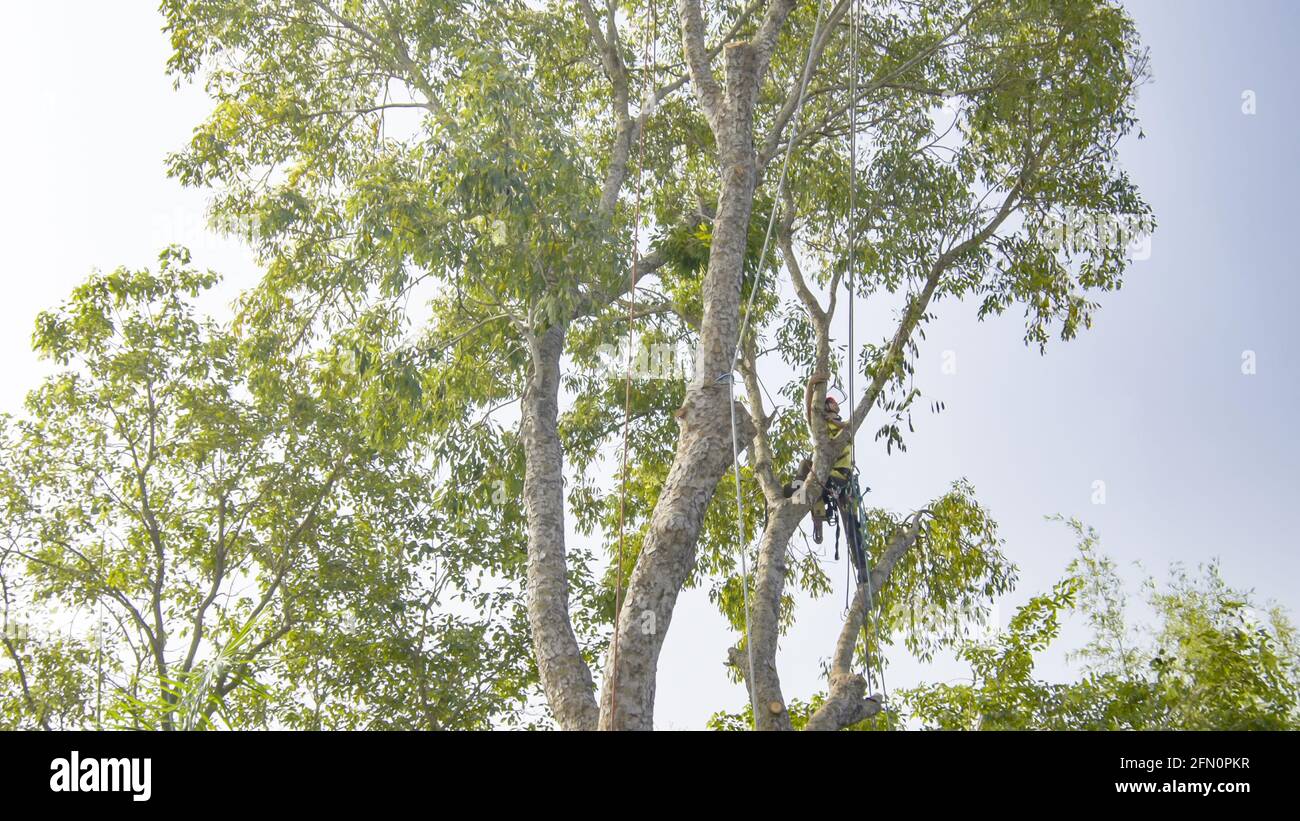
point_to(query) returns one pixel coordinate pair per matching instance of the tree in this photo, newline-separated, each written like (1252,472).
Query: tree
(542,148)
(1214,661)
(229,537)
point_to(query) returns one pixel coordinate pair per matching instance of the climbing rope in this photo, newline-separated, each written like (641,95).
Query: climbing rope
(735,357)
(848,284)
(649,57)
(868,617)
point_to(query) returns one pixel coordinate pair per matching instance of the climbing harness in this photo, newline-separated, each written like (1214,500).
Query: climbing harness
(844,508)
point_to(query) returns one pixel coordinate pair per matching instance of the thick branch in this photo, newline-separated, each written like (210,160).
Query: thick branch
(565,677)
(769,31)
(707,89)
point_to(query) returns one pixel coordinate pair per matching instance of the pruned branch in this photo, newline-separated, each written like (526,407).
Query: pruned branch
(847,702)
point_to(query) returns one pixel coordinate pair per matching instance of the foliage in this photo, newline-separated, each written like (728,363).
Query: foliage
(1212,661)
(334,479)
(249,548)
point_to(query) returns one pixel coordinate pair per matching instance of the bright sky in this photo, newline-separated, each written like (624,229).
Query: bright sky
(1198,459)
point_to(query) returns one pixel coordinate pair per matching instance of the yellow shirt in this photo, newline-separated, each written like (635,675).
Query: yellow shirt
(844,464)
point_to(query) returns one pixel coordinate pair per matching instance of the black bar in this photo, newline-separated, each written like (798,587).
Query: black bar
(333,770)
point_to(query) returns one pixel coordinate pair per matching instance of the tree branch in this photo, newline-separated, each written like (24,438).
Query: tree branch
(917,306)
(769,31)
(770,144)
(707,89)
(847,703)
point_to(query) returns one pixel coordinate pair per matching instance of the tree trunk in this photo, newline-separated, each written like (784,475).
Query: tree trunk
(765,618)
(566,679)
(704,447)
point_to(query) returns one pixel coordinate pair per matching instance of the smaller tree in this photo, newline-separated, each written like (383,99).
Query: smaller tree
(217,529)
(1213,661)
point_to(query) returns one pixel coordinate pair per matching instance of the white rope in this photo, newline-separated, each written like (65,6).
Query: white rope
(848,284)
(868,618)
(650,56)
(735,357)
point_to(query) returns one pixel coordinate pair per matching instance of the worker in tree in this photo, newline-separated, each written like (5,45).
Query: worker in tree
(838,481)
(840,490)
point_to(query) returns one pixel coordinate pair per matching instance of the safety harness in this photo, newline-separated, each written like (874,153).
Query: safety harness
(849,516)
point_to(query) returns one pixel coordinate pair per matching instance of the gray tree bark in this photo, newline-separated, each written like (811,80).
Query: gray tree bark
(566,679)
(704,446)
(765,616)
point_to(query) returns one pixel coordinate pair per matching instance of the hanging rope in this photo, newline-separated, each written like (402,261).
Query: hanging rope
(735,357)
(868,617)
(848,284)
(649,57)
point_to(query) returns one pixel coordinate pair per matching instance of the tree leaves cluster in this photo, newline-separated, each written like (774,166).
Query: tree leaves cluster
(199,529)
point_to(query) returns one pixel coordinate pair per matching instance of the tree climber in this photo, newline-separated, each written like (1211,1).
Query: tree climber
(837,483)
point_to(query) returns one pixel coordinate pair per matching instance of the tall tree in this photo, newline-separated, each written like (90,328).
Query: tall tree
(504,160)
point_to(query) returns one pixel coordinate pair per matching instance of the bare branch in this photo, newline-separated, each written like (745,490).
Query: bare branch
(847,703)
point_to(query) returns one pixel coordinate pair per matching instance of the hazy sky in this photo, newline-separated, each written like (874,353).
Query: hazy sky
(1198,459)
